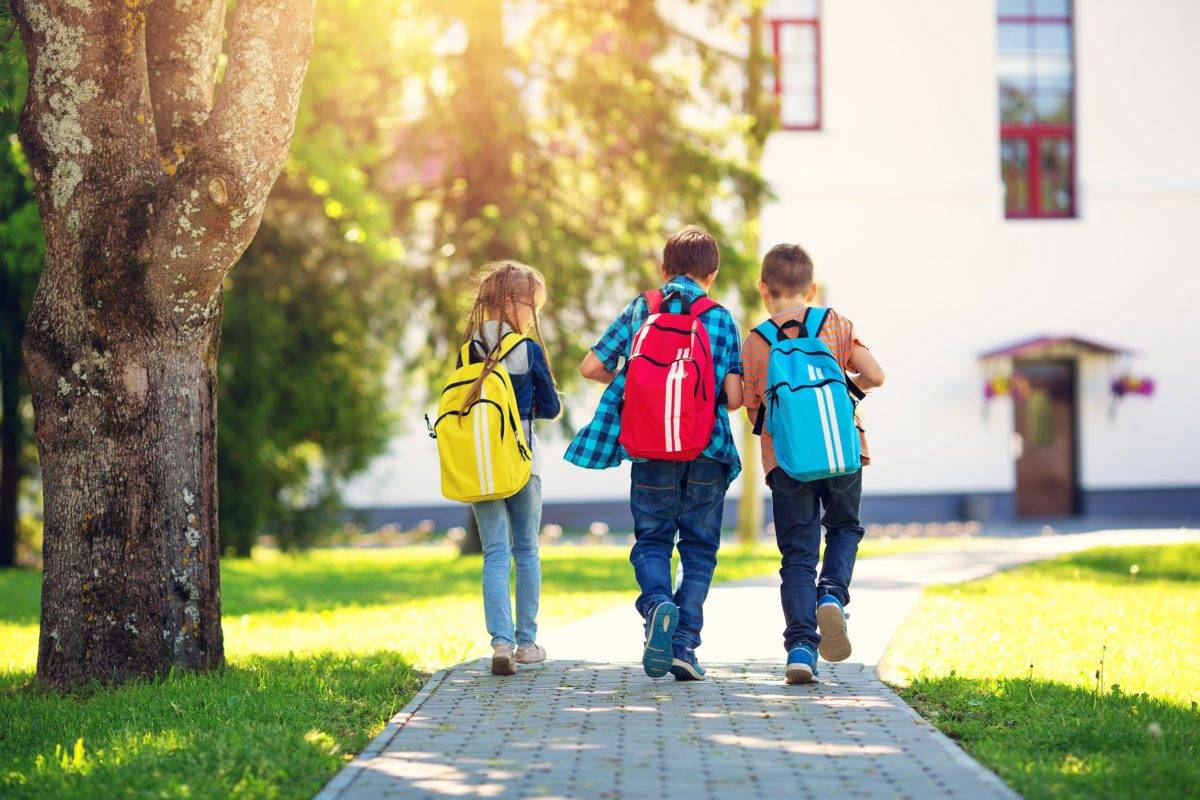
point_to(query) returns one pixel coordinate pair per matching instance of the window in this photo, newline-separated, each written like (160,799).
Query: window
(1037,107)
(794,36)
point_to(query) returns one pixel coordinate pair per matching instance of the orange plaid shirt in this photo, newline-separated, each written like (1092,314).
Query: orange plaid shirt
(838,335)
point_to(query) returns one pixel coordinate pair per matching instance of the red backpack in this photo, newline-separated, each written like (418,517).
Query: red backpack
(669,407)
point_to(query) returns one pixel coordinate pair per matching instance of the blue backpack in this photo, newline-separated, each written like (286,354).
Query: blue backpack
(807,402)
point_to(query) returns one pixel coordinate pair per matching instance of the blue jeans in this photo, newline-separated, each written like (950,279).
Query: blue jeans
(521,515)
(798,520)
(688,498)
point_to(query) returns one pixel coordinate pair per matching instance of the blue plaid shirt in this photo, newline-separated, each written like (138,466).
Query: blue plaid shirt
(596,445)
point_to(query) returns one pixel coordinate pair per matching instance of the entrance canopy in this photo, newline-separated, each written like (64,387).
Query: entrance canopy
(1047,346)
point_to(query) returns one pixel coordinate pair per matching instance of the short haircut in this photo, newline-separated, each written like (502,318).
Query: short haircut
(787,270)
(691,251)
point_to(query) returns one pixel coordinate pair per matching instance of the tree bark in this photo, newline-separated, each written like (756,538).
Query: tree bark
(122,336)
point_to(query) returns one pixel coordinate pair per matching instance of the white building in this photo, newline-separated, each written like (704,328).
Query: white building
(972,173)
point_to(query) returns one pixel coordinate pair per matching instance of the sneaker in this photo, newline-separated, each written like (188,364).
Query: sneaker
(684,665)
(801,665)
(657,655)
(530,654)
(831,622)
(504,661)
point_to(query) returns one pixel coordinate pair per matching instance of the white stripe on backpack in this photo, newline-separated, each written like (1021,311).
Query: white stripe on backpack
(835,431)
(823,413)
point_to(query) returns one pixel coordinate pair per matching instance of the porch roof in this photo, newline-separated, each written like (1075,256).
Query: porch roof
(1054,345)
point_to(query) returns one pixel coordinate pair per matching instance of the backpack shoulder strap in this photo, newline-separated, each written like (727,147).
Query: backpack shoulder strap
(509,342)
(767,331)
(653,299)
(464,354)
(702,304)
(814,320)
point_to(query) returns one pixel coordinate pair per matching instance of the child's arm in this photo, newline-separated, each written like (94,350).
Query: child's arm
(593,369)
(732,387)
(546,402)
(869,373)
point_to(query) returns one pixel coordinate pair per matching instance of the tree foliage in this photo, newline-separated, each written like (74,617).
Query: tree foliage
(21,249)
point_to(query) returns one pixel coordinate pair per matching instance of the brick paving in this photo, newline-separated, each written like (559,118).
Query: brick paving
(590,724)
(575,729)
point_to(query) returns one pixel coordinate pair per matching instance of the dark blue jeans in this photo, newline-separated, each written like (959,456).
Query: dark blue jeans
(688,498)
(801,508)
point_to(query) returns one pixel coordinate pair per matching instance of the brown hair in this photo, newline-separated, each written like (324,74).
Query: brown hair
(691,251)
(787,270)
(502,285)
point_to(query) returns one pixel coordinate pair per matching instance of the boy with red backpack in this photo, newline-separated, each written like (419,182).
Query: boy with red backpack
(672,365)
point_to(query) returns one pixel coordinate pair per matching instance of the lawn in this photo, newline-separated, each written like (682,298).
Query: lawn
(1074,677)
(322,650)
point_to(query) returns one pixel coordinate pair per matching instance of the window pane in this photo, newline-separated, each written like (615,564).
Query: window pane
(1056,176)
(1051,38)
(1016,104)
(1053,72)
(799,109)
(1014,37)
(797,41)
(1052,8)
(1053,106)
(1013,8)
(783,9)
(1014,167)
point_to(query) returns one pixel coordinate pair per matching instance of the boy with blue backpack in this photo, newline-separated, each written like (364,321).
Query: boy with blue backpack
(804,370)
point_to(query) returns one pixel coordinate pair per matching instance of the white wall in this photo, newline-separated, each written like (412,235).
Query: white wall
(899,201)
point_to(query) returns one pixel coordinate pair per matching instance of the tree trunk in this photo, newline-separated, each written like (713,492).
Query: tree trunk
(750,503)
(148,195)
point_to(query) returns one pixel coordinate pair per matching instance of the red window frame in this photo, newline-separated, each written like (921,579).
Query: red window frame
(1034,134)
(777,24)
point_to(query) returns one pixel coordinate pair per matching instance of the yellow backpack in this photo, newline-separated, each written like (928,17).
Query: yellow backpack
(482,449)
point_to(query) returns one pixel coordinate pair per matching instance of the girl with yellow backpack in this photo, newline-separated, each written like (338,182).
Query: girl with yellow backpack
(489,452)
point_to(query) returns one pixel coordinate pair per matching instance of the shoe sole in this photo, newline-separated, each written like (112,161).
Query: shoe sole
(504,666)
(800,673)
(683,671)
(835,642)
(656,656)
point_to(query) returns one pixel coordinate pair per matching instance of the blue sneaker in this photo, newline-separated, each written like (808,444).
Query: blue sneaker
(684,665)
(831,622)
(660,628)
(801,665)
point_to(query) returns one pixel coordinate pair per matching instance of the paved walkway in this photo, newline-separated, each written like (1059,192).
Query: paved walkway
(590,724)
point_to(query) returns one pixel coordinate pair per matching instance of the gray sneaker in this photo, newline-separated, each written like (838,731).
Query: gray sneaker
(503,660)
(530,654)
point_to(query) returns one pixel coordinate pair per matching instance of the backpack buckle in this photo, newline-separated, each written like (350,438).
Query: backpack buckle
(429,427)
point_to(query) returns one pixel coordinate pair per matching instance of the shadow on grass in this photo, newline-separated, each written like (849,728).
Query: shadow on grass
(1048,739)
(264,727)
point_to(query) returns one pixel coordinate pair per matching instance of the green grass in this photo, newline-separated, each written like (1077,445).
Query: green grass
(1075,677)
(322,649)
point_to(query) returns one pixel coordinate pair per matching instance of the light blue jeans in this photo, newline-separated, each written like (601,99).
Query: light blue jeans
(520,516)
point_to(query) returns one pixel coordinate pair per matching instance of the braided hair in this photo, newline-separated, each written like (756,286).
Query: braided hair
(503,285)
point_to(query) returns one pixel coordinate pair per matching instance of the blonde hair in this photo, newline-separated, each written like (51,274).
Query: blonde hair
(502,285)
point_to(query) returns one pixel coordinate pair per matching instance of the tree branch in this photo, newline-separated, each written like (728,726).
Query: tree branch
(183,45)
(212,207)
(85,125)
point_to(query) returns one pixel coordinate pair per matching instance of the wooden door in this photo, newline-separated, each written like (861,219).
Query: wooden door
(1045,423)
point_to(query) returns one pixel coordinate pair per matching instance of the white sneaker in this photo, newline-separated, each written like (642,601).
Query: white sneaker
(531,654)
(503,661)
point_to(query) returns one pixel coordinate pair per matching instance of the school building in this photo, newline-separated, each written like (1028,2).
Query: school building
(1001,194)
